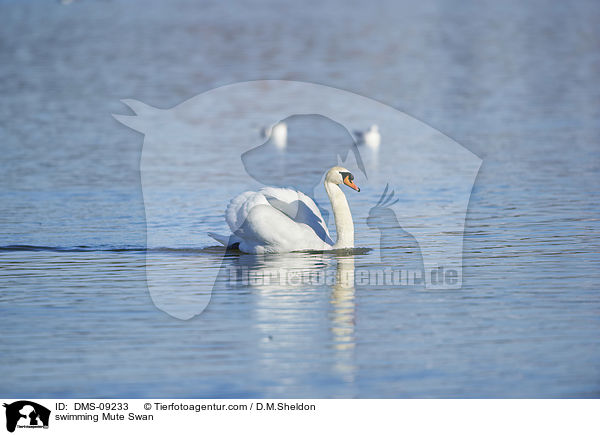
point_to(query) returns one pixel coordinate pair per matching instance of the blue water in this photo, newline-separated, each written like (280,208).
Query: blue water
(517,84)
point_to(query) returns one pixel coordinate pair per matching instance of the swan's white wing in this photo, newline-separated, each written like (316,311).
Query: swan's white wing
(276,220)
(239,207)
(298,207)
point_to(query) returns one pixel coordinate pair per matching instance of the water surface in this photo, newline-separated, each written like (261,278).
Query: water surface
(516,84)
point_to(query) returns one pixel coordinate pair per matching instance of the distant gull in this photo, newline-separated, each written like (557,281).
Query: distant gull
(277,132)
(370,138)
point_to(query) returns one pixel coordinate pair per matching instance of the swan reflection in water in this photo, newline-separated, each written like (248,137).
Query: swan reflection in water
(342,300)
(343,317)
(290,296)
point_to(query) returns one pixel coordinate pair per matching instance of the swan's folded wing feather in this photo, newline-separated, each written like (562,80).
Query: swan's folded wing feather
(276,220)
(298,207)
(239,207)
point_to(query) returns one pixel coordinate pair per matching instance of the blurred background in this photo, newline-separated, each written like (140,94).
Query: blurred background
(517,83)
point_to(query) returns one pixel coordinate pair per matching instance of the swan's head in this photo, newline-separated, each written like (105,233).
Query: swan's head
(374,128)
(339,175)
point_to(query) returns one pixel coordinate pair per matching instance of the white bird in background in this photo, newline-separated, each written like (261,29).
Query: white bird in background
(370,138)
(285,220)
(277,132)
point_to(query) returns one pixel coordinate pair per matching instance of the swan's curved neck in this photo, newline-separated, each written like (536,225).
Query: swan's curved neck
(344,226)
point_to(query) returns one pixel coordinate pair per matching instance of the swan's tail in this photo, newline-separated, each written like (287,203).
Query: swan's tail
(230,242)
(223,240)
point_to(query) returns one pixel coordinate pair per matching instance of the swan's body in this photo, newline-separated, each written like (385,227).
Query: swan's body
(371,137)
(277,132)
(285,220)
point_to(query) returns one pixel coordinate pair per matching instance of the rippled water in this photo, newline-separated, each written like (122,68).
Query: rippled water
(516,84)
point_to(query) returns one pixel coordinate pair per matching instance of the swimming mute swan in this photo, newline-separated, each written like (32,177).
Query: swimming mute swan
(370,138)
(285,220)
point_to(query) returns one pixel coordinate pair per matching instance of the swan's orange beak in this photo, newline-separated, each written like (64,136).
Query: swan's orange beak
(350,183)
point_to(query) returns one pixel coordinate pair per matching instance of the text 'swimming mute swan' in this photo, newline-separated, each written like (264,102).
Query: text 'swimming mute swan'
(277,132)
(284,220)
(370,138)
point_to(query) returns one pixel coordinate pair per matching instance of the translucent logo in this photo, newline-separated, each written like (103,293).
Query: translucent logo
(408,219)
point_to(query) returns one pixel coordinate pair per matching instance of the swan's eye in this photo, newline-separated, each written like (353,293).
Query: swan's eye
(346,175)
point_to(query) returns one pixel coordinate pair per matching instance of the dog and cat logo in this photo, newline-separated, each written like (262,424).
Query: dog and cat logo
(26,414)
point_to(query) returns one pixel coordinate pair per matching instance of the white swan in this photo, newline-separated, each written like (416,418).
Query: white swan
(285,220)
(277,132)
(371,137)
